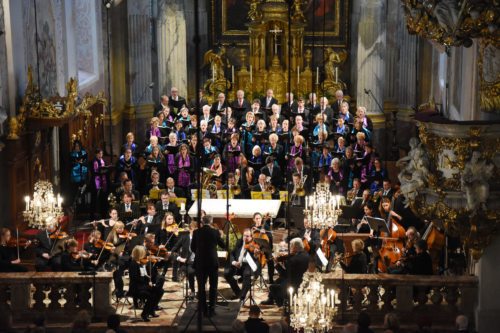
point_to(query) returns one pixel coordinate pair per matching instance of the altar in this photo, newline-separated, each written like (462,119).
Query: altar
(243,210)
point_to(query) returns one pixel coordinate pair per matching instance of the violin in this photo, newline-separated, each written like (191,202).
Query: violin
(254,248)
(125,234)
(22,242)
(58,235)
(80,255)
(150,259)
(257,233)
(175,229)
(100,244)
(159,252)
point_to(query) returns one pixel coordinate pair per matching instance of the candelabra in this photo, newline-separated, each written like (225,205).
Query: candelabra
(44,208)
(312,308)
(322,208)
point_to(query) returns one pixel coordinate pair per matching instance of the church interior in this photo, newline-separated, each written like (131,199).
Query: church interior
(249,165)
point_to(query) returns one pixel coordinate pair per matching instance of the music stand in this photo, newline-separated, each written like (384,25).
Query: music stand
(265,248)
(377,224)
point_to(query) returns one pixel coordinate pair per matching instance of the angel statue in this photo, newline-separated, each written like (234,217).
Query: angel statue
(414,170)
(333,60)
(217,62)
(475,182)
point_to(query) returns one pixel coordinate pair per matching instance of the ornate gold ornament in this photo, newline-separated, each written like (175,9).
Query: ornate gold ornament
(453,22)
(489,75)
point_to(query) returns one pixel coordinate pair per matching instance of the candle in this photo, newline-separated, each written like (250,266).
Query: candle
(275,46)
(250,73)
(290,290)
(332,299)
(183,206)
(336,74)
(213,73)
(59,200)
(232,74)
(338,201)
(295,304)
(27,200)
(317,75)
(298,75)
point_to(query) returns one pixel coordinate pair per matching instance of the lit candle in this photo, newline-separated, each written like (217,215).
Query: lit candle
(59,201)
(336,74)
(232,74)
(338,201)
(213,73)
(332,299)
(27,200)
(295,304)
(298,75)
(183,206)
(290,290)
(317,75)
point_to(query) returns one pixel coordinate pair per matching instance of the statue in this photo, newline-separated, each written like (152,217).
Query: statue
(217,62)
(475,182)
(298,15)
(414,171)
(13,129)
(253,13)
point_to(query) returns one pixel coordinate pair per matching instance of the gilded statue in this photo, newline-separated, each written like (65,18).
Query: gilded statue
(298,14)
(13,129)
(72,90)
(217,62)
(333,61)
(254,13)
(475,182)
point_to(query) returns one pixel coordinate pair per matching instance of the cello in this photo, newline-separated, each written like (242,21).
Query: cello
(392,243)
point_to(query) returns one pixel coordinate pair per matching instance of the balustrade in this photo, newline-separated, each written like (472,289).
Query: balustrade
(408,295)
(59,295)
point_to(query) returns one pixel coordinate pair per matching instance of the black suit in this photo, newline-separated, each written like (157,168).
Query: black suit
(287,109)
(244,271)
(46,245)
(421,264)
(263,102)
(181,101)
(139,286)
(215,107)
(235,105)
(143,228)
(171,207)
(358,264)
(183,250)
(329,115)
(204,245)
(296,266)
(127,216)
(192,103)
(7,255)
(276,176)
(336,106)
(315,242)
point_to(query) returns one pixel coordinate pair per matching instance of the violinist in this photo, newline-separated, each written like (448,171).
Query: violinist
(358,263)
(50,245)
(239,264)
(262,229)
(421,263)
(167,236)
(310,237)
(9,260)
(156,260)
(409,252)
(330,246)
(119,239)
(291,272)
(94,246)
(141,286)
(72,260)
(185,256)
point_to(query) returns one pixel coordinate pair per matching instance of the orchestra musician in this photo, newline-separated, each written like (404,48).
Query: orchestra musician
(9,261)
(291,271)
(93,247)
(120,249)
(310,237)
(73,260)
(204,246)
(149,223)
(358,263)
(185,256)
(167,236)
(50,244)
(157,260)
(141,285)
(261,229)
(128,210)
(239,264)
(164,205)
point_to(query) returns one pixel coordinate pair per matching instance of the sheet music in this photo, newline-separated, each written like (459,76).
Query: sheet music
(250,262)
(322,257)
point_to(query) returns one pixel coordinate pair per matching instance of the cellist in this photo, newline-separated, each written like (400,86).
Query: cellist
(329,246)
(310,237)
(392,243)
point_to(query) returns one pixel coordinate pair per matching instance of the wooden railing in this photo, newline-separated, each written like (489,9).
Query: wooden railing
(59,295)
(438,297)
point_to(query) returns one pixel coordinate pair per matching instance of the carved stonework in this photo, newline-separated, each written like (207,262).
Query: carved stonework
(489,75)
(463,180)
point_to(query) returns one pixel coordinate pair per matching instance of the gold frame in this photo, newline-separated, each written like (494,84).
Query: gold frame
(336,32)
(489,92)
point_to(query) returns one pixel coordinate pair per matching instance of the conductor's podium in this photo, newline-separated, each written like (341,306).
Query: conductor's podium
(242,208)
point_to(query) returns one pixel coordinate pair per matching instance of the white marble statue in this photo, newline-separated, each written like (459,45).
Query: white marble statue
(475,182)
(414,171)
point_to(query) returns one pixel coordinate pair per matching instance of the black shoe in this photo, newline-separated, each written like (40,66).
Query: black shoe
(268,301)
(158,308)
(154,315)
(145,317)
(119,293)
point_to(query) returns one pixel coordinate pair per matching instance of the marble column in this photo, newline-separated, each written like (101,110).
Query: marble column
(171,41)
(4,89)
(139,71)
(392,59)
(355,13)
(407,72)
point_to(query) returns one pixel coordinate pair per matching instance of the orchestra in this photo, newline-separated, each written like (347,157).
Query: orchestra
(246,148)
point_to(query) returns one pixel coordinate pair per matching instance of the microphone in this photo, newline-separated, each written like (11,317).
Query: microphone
(1,32)
(367,91)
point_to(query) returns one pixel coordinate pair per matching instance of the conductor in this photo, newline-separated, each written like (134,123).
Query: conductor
(204,246)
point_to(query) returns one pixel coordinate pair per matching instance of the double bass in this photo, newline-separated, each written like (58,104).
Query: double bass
(392,243)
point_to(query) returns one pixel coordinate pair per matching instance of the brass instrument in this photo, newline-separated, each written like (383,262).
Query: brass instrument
(236,188)
(377,195)
(351,195)
(270,187)
(207,182)
(299,190)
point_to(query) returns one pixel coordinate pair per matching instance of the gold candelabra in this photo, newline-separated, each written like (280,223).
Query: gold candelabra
(44,208)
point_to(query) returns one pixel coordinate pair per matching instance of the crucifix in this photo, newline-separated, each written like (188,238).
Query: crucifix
(276,31)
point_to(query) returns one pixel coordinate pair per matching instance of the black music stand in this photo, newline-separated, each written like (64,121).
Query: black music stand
(377,224)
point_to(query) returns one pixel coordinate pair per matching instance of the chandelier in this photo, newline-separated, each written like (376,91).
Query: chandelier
(452,22)
(312,308)
(44,207)
(322,208)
